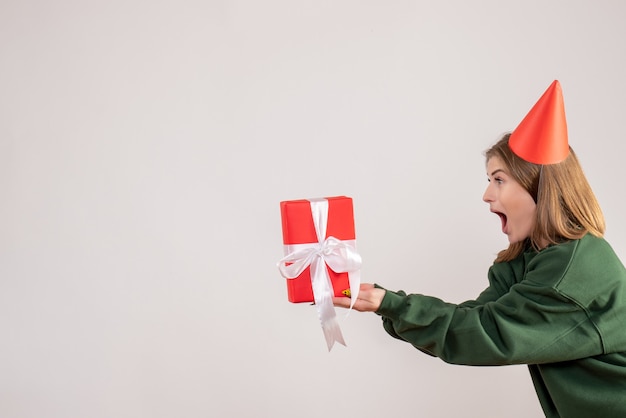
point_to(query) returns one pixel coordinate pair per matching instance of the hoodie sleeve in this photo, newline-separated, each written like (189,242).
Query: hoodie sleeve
(529,322)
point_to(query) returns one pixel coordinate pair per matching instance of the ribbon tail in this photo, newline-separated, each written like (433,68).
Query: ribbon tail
(355,285)
(332,332)
(344,258)
(322,293)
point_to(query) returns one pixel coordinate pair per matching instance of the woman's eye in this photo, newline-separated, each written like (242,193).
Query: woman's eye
(498,180)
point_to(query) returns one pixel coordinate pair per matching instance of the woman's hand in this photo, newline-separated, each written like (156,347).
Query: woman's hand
(368,300)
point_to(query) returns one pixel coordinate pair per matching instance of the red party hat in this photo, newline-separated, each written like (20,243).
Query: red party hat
(541,137)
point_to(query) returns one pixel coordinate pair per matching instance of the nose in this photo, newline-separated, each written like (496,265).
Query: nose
(488,195)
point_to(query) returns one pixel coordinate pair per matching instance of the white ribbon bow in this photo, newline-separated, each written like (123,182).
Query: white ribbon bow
(340,256)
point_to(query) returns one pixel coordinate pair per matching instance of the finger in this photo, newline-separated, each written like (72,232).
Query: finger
(342,302)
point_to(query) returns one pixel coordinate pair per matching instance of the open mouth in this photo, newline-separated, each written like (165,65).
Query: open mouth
(503,220)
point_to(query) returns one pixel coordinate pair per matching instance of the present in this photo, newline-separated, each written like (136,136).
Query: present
(320,255)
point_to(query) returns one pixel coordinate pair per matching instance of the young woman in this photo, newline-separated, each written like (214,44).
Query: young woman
(556,299)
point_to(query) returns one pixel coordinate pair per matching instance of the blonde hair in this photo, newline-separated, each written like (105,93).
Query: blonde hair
(567,208)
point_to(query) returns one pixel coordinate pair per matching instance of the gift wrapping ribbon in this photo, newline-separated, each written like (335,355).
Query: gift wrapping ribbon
(340,256)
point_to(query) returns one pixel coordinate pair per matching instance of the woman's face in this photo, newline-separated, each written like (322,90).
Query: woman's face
(509,200)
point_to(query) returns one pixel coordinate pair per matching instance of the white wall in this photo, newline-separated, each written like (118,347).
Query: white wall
(145,146)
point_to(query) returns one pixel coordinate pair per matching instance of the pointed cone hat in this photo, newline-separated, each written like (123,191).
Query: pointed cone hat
(541,137)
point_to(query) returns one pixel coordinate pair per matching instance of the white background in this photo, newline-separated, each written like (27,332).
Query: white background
(145,147)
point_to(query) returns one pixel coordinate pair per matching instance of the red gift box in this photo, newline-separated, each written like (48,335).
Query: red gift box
(298,228)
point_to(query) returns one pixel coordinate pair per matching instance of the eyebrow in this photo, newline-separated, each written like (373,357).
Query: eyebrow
(496,171)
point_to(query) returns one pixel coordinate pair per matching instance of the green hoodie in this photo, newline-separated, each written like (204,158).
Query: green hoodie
(561,311)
